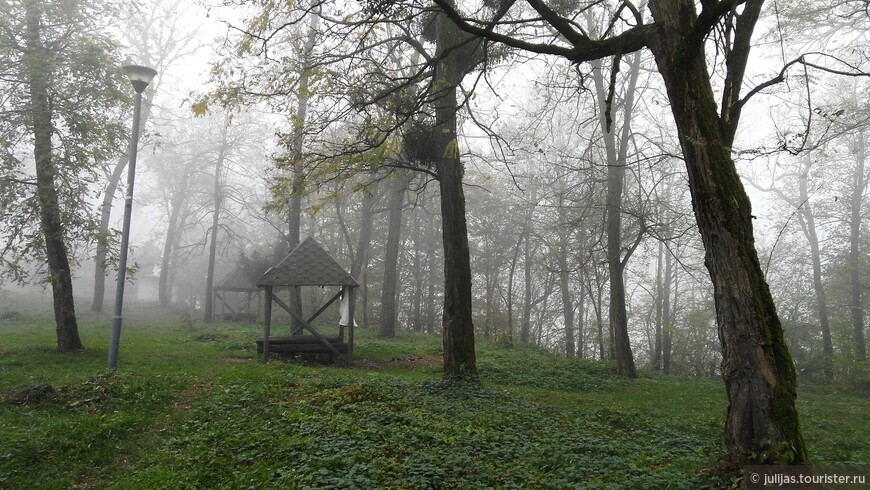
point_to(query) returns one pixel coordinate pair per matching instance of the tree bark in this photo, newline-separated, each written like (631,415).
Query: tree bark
(50,215)
(761,422)
(458,329)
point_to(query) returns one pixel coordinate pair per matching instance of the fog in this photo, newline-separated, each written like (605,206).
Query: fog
(288,113)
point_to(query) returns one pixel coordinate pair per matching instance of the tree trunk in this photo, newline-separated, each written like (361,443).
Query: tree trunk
(528,262)
(101,254)
(564,277)
(509,301)
(526,324)
(435,269)
(173,233)
(595,298)
(294,221)
(50,214)
(761,422)
(616,166)
(667,312)
(855,282)
(389,311)
(657,343)
(417,273)
(808,222)
(215,224)
(458,329)
(567,302)
(581,324)
(361,253)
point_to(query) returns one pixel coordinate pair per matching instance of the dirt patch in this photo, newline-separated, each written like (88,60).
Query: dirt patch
(417,362)
(409,362)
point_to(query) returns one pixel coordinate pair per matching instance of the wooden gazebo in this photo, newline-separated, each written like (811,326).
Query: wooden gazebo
(309,265)
(236,297)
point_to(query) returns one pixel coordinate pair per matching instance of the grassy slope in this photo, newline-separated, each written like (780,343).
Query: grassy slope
(190,407)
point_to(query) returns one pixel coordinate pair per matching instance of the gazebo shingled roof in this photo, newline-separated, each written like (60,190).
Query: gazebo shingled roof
(307,265)
(237,280)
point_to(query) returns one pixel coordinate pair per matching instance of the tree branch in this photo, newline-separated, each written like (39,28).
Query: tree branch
(582,48)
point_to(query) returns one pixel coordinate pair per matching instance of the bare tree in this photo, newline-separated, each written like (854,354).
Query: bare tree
(160,43)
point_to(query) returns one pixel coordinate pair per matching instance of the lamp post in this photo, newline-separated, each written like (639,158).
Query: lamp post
(140,77)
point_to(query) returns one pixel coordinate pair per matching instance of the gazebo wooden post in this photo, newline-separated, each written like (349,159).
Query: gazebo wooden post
(351,292)
(267,324)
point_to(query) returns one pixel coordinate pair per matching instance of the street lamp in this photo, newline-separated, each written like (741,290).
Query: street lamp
(140,77)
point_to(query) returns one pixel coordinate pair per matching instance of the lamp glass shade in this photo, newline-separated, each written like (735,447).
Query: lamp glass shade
(140,76)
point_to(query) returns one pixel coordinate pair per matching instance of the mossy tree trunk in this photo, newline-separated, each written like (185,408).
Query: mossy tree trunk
(762,422)
(457,326)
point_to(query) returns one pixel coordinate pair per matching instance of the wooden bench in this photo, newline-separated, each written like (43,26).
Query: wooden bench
(240,317)
(304,344)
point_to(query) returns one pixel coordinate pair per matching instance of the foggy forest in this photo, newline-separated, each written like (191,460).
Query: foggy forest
(660,195)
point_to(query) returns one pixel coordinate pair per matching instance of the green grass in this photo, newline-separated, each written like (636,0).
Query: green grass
(191,406)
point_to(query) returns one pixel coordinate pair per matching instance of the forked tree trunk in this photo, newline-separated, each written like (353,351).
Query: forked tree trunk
(173,234)
(50,215)
(762,422)
(617,161)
